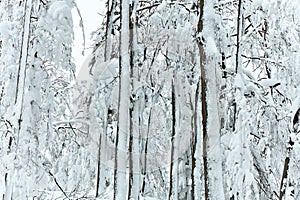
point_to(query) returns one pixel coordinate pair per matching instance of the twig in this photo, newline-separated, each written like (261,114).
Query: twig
(58,185)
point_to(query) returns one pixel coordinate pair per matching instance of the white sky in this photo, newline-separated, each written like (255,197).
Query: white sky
(90,10)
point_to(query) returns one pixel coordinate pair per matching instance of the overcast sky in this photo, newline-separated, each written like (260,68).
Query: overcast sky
(90,10)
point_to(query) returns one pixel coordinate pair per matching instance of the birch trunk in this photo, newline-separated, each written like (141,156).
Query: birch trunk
(134,161)
(121,146)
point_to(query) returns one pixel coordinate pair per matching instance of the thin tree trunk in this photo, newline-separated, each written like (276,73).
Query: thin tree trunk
(203,103)
(137,110)
(19,98)
(99,168)
(21,77)
(212,155)
(107,56)
(237,57)
(121,146)
(238,36)
(173,172)
(284,177)
(144,172)
(284,182)
(134,162)
(194,142)
(130,183)
(204,123)
(108,30)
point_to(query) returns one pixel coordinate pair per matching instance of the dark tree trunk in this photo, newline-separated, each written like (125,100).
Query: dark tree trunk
(172,140)
(203,102)
(194,141)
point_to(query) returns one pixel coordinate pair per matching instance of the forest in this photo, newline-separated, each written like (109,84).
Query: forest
(179,100)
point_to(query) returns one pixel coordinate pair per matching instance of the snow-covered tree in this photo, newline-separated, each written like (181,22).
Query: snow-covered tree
(178,100)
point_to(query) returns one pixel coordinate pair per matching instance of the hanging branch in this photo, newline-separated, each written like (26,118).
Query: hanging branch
(81,25)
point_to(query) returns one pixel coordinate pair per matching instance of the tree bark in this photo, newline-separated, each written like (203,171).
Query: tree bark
(144,172)
(203,103)
(123,129)
(99,168)
(212,155)
(133,149)
(284,181)
(173,171)
(284,178)
(108,30)
(194,142)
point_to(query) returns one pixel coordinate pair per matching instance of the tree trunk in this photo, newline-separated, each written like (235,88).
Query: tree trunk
(121,146)
(108,30)
(284,181)
(145,153)
(19,105)
(173,158)
(203,102)
(134,162)
(99,174)
(212,155)
(194,142)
